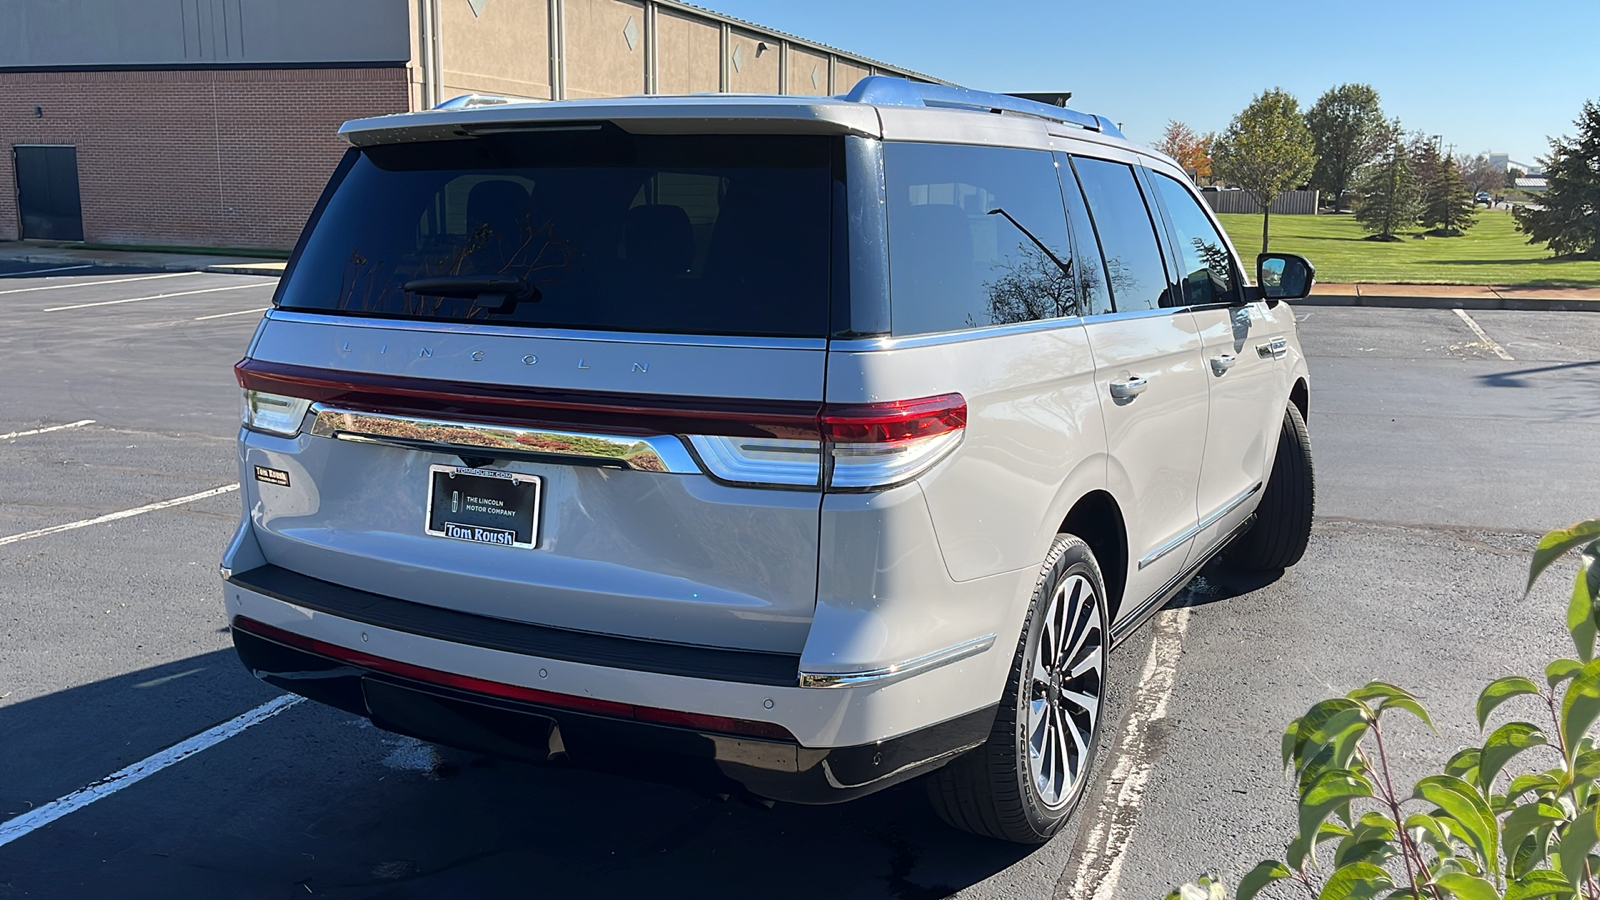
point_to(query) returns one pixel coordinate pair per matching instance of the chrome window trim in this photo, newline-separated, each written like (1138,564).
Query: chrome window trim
(546,334)
(888,342)
(899,670)
(662,453)
(1156,313)
(1202,525)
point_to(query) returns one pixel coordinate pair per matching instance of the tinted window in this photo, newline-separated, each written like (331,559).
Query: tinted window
(1203,258)
(1127,237)
(977,236)
(1092,270)
(656,233)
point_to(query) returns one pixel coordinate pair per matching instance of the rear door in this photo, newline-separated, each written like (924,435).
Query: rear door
(1149,377)
(568,378)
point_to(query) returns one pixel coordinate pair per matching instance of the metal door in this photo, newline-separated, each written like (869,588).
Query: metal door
(47,193)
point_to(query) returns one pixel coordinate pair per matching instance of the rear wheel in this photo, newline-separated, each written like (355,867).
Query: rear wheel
(1024,783)
(1283,520)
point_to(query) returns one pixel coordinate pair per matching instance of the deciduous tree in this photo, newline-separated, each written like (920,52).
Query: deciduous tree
(1387,199)
(1479,175)
(1266,150)
(1347,125)
(1191,151)
(1569,215)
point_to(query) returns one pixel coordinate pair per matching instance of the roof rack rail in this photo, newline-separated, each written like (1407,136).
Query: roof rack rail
(478,101)
(883,90)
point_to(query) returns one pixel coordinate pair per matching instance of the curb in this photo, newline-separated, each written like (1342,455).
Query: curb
(118,263)
(273,269)
(1528,304)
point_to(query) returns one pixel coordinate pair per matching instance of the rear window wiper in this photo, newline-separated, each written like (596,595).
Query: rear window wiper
(495,292)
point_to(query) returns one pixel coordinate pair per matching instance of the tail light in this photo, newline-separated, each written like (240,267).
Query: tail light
(274,413)
(860,447)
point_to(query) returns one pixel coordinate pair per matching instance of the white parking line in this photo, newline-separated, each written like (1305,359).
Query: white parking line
(1484,335)
(144,768)
(47,271)
(57,287)
(1103,851)
(112,517)
(231,287)
(17,434)
(237,313)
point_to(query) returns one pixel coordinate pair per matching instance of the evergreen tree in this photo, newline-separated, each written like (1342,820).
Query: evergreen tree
(1348,127)
(1447,206)
(1387,197)
(1569,217)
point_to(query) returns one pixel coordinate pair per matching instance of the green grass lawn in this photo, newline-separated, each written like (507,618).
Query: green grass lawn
(1492,252)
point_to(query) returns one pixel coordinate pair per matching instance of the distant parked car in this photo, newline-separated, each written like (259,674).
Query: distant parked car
(1485,198)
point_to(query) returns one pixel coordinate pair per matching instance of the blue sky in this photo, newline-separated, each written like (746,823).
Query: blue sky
(1486,76)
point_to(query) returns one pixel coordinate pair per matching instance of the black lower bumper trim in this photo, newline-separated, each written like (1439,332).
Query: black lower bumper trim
(744,666)
(776,770)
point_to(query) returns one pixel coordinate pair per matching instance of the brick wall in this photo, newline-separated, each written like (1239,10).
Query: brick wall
(221,158)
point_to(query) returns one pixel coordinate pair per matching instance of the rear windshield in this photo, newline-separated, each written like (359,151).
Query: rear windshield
(719,234)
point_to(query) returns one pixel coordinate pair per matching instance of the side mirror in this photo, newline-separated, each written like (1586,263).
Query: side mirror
(1284,276)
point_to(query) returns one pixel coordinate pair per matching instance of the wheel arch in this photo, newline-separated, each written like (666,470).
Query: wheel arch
(1097,519)
(1300,396)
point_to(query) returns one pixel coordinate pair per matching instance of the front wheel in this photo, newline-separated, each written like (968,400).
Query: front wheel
(1026,780)
(1283,520)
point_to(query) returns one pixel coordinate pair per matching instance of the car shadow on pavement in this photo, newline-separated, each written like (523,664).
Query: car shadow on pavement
(1217,581)
(317,802)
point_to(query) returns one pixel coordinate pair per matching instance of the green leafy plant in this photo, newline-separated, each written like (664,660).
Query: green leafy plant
(1482,829)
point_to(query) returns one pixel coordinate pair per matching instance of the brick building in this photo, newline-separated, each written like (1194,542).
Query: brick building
(211,123)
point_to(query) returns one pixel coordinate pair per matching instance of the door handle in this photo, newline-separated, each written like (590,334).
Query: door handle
(1277,348)
(1221,364)
(1128,388)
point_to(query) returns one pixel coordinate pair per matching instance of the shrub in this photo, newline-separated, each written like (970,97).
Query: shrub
(1477,830)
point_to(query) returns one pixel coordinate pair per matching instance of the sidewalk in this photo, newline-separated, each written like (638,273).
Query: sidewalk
(1453,296)
(51,252)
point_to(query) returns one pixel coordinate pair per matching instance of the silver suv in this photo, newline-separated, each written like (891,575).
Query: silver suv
(798,446)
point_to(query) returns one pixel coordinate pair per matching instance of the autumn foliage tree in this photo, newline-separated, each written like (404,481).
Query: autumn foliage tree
(1191,151)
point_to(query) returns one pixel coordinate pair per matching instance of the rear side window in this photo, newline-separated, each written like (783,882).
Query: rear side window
(1127,236)
(977,237)
(610,231)
(1207,266)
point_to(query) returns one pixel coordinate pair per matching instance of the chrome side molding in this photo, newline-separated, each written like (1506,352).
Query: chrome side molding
(899,670)
(1200,526)
(660,453)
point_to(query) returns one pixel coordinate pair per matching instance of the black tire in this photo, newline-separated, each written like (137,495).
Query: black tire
(1283,520)
(994,790)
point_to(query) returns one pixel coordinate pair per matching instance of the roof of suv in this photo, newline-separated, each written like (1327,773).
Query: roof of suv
(854,113)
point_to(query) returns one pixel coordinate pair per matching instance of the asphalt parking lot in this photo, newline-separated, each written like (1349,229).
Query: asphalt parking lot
(1440,460)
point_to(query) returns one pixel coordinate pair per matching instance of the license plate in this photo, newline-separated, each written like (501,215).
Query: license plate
(484,506)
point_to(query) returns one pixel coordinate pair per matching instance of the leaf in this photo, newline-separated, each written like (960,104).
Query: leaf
(1529,819)
(1580,610)
(1468,809)
(1467,887)
(1561,670)
(1372,850)
(1587,766)
(1333,745)
(1206,887)
(1265,873)
(1311,724)
(1539,782)
(1538,883)
(1499,691)
(1573,851)
(1357,881)
(1428,830)
(1555,545)
(1389,696)
(1465,764)
(1507,741)
(1333,790)
(1580,707)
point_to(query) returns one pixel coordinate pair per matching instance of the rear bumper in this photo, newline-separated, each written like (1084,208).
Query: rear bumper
(477,715)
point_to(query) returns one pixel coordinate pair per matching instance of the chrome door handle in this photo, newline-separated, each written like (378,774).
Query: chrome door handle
(1277,348)
(1128,388)
(1221,364)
